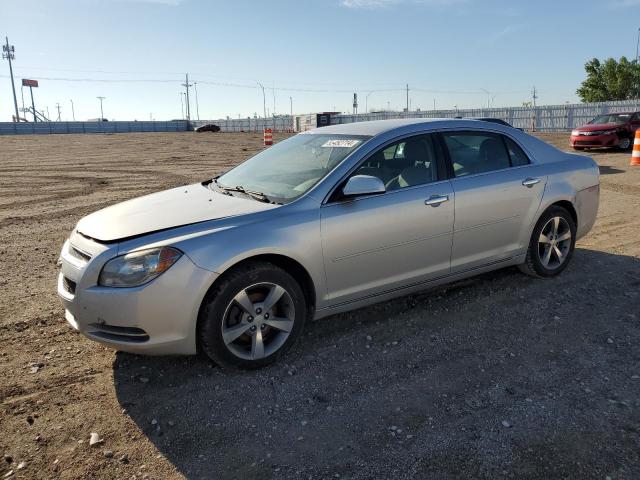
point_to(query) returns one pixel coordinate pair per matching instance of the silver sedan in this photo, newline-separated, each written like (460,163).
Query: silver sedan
(326,221)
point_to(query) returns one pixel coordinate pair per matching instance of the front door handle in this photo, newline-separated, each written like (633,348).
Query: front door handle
(436,200)
(530,182)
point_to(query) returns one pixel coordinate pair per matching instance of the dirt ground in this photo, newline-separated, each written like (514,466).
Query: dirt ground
(500,376)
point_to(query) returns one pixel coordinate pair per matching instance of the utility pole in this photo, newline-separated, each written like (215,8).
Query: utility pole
(291,106)
(534,96)
(366,102)
(101,111)
(187,85)
(637,44)
(407,98)
(73,111)
(58,107)
(8,52)
(264,103)
(195,87)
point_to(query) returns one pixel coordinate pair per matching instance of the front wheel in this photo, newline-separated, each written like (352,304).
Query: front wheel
(254,315)
(551,245)
(624,143)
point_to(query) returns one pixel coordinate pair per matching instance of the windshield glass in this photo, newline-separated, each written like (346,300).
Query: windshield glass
(288,169)
(604,119)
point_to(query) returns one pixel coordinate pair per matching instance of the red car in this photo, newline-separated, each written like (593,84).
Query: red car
(611,130)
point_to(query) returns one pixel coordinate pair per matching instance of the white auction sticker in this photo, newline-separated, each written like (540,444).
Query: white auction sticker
(341,143)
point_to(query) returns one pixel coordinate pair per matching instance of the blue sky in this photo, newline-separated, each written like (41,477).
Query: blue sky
(135,53)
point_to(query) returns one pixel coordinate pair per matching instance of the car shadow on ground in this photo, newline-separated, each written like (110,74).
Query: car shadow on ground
(501,375)
(607,170)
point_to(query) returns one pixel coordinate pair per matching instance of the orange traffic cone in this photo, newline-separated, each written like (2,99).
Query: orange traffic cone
(635,155)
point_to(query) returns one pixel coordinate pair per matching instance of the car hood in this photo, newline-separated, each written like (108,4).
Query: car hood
(603,126)
(163,210)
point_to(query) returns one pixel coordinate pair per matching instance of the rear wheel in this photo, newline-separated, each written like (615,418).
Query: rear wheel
(551,245)
(252,317)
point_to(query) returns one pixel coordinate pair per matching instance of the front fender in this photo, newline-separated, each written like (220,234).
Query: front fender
(295,235)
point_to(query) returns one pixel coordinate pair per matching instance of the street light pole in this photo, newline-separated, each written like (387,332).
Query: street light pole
(637,44)
(264,102)
(366,102)
(73,112)
(195,86)
(488,97)
(101,111)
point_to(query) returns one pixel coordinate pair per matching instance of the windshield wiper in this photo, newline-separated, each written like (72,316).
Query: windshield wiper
(261,197)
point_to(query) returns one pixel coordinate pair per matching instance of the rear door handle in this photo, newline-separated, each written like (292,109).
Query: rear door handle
(436,200)
(530,182)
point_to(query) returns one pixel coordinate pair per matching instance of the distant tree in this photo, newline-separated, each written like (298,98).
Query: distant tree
(610,80)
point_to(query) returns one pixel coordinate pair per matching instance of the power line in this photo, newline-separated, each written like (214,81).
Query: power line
(282,89)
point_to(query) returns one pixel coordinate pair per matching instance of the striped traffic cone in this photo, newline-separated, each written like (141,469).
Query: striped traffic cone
(635,154)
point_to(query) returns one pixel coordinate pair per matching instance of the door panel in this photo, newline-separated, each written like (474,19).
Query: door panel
(378,243)
(494,213)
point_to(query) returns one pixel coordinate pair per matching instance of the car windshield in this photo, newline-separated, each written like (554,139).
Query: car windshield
(288,169)
(605,119)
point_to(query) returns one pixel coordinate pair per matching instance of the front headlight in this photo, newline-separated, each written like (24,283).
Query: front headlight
(575,133)
(606,132)
(137,268)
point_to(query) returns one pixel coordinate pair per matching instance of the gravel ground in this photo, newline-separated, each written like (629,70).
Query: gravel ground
(499,376)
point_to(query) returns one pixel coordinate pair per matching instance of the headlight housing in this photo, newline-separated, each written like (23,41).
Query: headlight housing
(138,268)
(575,133)
(607,132)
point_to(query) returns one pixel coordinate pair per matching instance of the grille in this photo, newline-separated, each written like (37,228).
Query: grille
(75,253)
(586,142)
(69,285)
(120,334)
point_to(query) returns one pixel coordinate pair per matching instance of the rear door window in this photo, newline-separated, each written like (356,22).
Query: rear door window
(518,157)
(476,152)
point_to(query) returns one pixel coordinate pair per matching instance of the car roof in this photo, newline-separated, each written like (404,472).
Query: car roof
(616,113)
(376,127)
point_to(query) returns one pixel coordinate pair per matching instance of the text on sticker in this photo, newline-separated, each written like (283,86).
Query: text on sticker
(341,143)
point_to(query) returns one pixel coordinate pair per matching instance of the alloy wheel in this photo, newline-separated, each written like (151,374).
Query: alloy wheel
(554,243)
(258,321)
(624,143)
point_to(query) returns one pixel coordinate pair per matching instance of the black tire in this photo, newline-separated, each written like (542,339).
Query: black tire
(534,263)
(625,144)
(214,315)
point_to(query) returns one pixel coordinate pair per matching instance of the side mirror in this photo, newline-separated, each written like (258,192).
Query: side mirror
(363,185)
